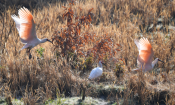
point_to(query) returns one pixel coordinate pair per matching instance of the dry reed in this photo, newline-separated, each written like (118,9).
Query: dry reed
(119,21)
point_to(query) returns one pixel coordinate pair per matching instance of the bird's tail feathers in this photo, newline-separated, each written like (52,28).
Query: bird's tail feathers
(25,46)
(135,70)
(89,78)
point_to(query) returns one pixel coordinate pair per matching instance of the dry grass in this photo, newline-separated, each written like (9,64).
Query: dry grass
(122,21)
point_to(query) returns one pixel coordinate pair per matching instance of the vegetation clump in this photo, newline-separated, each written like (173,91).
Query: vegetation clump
(84,32)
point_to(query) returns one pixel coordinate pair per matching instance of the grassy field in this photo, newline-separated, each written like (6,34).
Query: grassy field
(84,32)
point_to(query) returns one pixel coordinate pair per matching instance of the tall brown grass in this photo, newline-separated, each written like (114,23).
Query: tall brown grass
(122,21)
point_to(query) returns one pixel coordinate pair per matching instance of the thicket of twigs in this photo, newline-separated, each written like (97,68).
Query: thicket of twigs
(84,32)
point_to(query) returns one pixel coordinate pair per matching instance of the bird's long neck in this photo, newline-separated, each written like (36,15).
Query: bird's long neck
(43,40)
(154,62)
(100,65)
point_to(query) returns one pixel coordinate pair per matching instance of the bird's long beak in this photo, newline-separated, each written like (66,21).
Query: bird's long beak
(50,41)
(161,60)
(103,63)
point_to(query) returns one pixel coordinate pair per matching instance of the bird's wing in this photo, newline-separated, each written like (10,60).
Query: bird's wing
(25,25)
(92,74)
(17,21)
(96,72)
(145,50)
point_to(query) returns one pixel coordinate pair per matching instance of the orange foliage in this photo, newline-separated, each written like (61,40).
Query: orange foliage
(70,40)
(103,48)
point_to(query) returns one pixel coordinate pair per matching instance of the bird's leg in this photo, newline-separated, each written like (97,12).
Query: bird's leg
(28,52)
(30,55)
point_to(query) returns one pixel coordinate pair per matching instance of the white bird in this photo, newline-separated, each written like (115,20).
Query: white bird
(145,58)
(96,72)
(26,28)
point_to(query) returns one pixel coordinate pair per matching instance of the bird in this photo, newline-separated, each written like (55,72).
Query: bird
(96,72)
(26,27)
(145,58)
